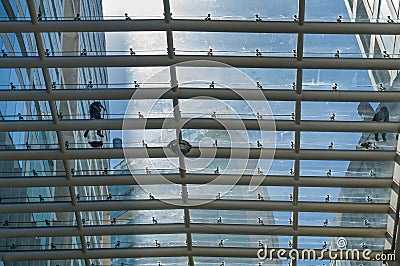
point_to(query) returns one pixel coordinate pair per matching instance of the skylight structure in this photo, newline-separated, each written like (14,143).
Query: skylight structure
(295,155)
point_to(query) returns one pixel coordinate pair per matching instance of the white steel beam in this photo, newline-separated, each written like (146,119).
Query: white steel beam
(199,123)
(162,152)
(254,205)
(156,252)
(234,61)
(187,93)
(223,179)
(200,25)
(195,228)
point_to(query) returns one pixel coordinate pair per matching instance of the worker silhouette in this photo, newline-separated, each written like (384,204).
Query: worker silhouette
(381,116)
(95,109)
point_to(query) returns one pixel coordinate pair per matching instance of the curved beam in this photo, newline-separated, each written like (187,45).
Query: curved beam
(223,179)
(199,123)
(195,228)
(254,205)
(200,25)
(187,93)
(156,252)
(163,152)
(234,61)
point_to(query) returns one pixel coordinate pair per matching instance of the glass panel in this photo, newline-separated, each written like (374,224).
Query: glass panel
(244,241)
(323,79)
(142,43)
(376,195)
(116,9)
(210,261)
(237,9)
(52,262)
(346,141)
(346,168)
(148,261)
(325,10)
(39,243)
(238,192)
(36,195)
(272,78)
(131,241)
(119,77)
(243,217)
(343,219)
(40,219)
(329,111)
(146,217)
(345,44)
(234,44)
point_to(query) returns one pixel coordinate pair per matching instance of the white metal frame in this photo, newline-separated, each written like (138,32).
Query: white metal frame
(168,24)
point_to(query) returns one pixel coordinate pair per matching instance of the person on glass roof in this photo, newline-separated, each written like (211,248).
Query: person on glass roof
(95,109)
(381,116)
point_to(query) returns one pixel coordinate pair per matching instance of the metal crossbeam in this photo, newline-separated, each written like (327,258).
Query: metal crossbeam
(195,228)
(254,205)
(236,153)
(196,25)
(234,61)
(180,251)
(200,123)
(188,92)
(223,179)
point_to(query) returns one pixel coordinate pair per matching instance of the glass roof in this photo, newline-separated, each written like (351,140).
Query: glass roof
(171,132)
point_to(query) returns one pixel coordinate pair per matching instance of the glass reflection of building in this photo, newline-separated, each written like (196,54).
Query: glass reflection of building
(372,46)
(54,43)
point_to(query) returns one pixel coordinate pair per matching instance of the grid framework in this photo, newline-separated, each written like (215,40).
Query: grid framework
(169,25)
